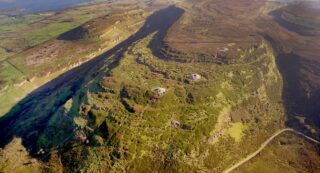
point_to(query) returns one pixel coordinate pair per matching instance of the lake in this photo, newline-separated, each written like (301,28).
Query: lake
(34,6)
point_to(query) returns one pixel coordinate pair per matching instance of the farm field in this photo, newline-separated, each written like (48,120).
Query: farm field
(33,64)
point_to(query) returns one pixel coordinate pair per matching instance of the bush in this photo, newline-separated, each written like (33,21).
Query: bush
(98,116)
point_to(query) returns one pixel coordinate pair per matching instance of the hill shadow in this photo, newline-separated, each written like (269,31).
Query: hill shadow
(28,118)
(278,17)
(295,99)
(298,102)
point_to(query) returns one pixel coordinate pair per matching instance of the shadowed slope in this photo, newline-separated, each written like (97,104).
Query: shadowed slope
(30,116)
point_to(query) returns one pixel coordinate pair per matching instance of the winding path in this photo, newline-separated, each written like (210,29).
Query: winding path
(263,145)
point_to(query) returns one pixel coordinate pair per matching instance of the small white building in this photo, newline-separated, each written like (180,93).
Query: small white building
(194,76)
(159,90)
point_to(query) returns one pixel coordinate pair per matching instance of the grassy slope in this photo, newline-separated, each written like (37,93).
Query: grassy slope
(288,154)
(296,47)
(136,139)
(118,109)
(17,70)
(31,30)
(14,158)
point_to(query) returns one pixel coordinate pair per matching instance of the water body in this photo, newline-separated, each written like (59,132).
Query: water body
(35,6)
